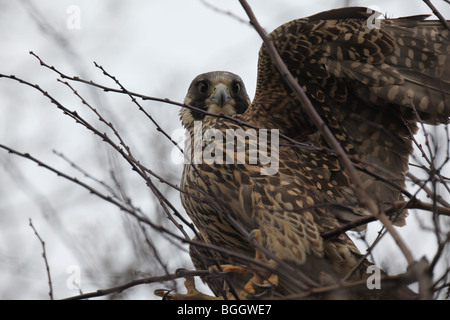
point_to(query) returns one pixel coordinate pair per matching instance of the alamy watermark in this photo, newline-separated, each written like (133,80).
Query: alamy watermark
(238,146)
(73,281)
(373,21)
(374,280)
(73,21)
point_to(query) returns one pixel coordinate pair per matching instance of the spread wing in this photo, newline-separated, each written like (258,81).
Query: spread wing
(364,82)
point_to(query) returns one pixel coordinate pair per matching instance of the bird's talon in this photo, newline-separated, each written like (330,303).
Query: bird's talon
(255,234)
(163,293)
(256,296)
(192,292)
(264,285)
(226,268)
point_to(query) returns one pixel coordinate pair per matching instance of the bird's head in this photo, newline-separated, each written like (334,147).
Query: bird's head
(214,92)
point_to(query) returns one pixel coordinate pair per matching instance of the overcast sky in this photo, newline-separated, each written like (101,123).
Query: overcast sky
(154,48)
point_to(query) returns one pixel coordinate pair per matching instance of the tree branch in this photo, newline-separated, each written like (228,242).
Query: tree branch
(44,255)
(437,14)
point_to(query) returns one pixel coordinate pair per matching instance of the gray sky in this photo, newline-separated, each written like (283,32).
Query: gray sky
(154,48)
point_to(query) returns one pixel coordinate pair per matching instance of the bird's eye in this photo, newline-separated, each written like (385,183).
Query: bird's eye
(203,86)
(236,87)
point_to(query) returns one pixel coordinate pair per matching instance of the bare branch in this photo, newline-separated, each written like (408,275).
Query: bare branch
(437,14)
(44,255)
(181,273)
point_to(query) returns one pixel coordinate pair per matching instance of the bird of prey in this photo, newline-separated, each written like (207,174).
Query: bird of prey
(371,86)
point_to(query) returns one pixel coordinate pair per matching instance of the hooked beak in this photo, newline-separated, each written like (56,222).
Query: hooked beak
(220,95)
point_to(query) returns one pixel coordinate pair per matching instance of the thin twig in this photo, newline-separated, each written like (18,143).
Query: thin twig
(222,11)
(428,191)
(44,255)
(85,173)
(103,292)
(395,207)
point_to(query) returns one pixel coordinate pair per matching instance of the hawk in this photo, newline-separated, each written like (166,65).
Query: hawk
(371,86)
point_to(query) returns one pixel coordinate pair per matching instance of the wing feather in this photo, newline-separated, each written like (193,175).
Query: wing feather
(365,83)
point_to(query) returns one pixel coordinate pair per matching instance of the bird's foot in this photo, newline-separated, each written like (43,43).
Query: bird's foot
(192,293)
(261,279)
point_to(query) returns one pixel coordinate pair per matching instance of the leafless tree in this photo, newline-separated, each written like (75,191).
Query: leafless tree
(163,222)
